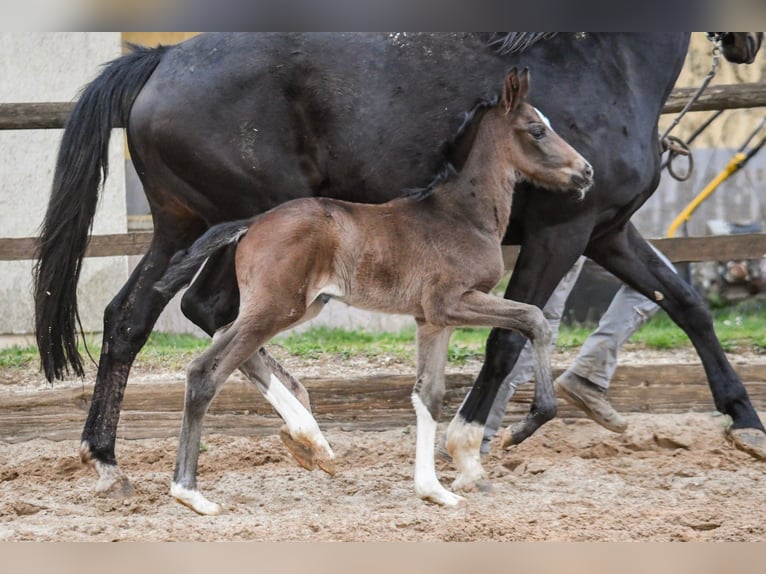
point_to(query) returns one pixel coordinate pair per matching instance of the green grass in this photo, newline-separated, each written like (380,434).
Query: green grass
(739,328)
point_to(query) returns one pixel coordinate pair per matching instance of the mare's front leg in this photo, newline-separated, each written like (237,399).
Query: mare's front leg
(626,254)
(427,398)
(128,321)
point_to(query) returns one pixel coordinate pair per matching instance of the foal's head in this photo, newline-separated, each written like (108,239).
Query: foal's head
(537,153)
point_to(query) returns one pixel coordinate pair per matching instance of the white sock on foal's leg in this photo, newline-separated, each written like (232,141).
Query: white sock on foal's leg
(427,485)
(300,422)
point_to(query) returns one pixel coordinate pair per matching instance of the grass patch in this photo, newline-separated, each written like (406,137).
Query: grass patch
(741,328)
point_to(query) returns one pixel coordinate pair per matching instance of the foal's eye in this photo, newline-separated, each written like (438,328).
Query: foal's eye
(537,131)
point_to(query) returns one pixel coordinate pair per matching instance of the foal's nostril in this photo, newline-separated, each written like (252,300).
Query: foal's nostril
(588,172)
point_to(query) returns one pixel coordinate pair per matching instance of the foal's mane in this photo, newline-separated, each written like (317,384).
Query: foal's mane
(456,147)
(461,142)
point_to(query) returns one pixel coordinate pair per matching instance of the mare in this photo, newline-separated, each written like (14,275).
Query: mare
(226,126)
(434,255)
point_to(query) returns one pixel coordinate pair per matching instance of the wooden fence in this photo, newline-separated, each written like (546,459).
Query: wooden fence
(53,115)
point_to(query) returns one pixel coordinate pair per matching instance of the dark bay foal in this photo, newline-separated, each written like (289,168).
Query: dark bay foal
(434,255)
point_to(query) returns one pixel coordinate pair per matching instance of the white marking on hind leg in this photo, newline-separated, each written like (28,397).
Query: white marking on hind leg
(427,485)
(464,444)
(301,424)
(194,499)
(112,481)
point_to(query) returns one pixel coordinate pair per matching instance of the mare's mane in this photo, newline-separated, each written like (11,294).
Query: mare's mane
(517,42)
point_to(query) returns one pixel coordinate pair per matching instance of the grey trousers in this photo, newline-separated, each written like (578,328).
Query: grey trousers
(597,359)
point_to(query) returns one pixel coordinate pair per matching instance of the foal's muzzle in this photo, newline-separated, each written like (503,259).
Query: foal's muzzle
(584,180)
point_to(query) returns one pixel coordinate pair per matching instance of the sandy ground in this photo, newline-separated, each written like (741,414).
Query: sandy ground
(668,478)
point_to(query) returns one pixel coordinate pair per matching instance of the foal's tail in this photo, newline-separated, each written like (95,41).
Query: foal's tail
(81,167)
(185,263)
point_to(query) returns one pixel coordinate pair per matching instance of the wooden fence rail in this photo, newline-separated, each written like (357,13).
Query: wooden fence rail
(53,115)
(677,249)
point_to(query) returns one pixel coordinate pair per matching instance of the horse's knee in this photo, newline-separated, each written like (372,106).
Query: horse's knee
(546,412)
(200,388)
(538,329)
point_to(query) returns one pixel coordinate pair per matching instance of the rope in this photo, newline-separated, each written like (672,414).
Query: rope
(675,145)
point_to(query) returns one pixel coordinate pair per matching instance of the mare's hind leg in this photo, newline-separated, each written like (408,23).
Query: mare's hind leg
(629,257)
(128,320)
(464,437)
(427,398)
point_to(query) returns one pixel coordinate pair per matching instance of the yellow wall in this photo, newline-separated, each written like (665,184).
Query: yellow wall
(155,38)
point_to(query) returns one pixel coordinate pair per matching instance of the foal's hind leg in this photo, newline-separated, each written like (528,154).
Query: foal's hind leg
(427,398)
(301,433)
(204,378)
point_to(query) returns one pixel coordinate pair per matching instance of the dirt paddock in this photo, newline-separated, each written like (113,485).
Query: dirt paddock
(670,477)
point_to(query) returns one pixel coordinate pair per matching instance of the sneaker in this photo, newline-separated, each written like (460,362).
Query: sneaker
(583,394)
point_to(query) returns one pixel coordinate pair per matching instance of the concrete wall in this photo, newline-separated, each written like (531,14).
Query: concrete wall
(47,67)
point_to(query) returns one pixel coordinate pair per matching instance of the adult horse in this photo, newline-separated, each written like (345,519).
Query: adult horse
(224,126)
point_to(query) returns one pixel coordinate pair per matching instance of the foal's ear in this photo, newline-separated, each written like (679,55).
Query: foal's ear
(513,93)
(525,83)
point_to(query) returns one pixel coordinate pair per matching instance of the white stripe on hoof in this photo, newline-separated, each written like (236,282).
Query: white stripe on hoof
(193,499)
(427,486)
(300,422)
(464,444)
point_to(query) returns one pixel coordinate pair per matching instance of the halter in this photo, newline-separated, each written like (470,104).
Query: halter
(675,145)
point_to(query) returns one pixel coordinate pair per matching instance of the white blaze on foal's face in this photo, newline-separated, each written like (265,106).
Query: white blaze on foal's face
(544,118)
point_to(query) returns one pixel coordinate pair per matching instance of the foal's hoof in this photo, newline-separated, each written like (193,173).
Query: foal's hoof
(194,500)
(305,454)
(751,441)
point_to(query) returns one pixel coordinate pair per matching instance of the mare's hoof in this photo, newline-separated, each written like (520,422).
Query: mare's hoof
(480,485)
(751,441)
(120,488)
(513,435)
(305,453)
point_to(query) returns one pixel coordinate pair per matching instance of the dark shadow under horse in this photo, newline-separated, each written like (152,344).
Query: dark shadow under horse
(224,126)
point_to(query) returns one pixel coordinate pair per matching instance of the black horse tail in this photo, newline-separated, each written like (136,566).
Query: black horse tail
(81,168)
(185,263)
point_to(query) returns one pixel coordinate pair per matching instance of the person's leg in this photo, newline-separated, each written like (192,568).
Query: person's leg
(585,383)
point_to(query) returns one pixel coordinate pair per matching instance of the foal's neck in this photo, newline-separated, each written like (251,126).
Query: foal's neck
(483,189)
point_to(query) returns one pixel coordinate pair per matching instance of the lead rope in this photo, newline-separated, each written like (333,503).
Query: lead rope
(675,146)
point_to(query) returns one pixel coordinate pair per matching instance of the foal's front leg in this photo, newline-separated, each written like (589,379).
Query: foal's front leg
(427,398)
(465,433)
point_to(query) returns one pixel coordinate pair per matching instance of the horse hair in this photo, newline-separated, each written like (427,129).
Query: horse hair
(81,168)
(185,263)
(517,42)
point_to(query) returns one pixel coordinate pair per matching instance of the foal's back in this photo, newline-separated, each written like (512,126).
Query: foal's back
(395,257)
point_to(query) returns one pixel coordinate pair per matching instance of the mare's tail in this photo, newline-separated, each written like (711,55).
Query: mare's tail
(185,264)
(81,167)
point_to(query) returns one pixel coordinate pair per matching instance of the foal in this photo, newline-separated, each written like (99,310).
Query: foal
(433,255)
